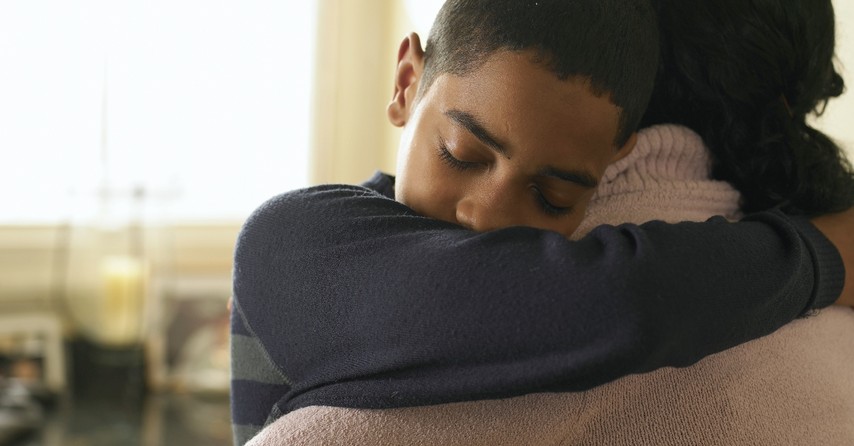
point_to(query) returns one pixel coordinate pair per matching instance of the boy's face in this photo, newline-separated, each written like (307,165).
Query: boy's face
(508,144)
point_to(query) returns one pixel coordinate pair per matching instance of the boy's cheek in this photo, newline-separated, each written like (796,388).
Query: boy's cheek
(423,185)
(428,194)
(431,202)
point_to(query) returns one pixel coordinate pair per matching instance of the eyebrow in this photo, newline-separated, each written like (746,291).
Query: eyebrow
(580,177)
(474,126)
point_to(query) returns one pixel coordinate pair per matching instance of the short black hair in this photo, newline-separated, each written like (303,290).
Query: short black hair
(746,75)
(611,44)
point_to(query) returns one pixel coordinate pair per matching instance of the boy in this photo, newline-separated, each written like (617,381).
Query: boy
(346,297)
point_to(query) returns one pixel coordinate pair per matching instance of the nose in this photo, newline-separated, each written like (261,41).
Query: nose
(485,211)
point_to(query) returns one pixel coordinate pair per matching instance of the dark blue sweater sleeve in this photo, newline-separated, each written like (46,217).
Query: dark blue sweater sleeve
(360,302)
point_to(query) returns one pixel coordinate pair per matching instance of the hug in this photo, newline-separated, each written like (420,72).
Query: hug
(610,223)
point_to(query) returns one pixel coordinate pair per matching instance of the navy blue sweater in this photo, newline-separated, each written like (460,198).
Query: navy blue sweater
(346,297)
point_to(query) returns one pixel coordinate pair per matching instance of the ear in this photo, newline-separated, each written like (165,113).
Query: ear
(627,148)
(410,66)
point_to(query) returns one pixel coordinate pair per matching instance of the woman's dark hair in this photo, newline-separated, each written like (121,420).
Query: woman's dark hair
(745,75)
(612,44)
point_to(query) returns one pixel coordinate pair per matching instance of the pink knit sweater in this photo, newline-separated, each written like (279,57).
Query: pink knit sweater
(794,387)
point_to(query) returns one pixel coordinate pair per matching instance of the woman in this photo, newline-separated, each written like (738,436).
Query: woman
(743,74)
(746,75)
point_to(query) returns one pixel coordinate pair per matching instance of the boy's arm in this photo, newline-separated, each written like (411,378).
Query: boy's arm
(360,302)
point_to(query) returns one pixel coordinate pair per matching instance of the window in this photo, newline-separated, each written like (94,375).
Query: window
(199,107)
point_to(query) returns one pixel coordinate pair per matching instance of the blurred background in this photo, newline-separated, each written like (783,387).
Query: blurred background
(137,135)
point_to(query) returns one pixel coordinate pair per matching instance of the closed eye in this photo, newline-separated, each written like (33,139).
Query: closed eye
(547,206)
(452,161)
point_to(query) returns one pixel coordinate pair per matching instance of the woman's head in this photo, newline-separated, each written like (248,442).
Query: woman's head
(745,74)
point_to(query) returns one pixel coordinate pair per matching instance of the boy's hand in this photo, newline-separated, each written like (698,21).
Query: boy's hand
(839,228)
